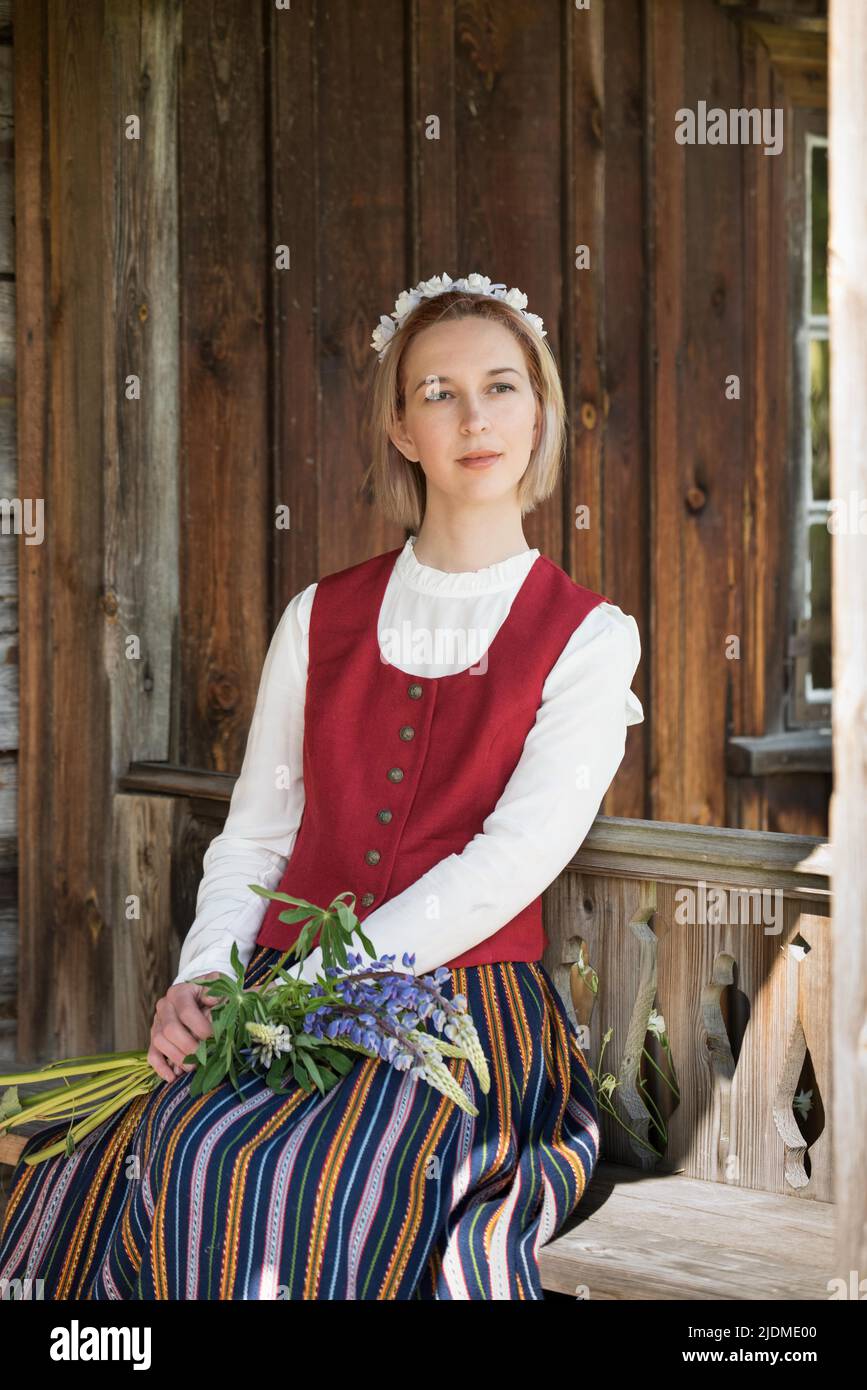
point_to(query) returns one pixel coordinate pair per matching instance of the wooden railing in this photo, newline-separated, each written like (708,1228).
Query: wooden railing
(745,999)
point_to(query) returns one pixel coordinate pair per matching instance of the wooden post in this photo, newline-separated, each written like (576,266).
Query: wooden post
(848,316)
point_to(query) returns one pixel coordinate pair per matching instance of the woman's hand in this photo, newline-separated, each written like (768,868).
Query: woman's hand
(182,1019)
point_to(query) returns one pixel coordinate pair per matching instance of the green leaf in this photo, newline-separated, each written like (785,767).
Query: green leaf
(367,944)
(300,1073)
(313,1069)
(9,1103)
(235,959)
(298,914)
(338,1060)
(214,1072)
(283,897)
(348,919)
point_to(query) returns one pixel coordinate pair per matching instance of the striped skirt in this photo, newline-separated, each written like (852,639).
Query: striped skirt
(381,1189)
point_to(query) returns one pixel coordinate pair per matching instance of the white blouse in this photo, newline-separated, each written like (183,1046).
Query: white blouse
(547,807)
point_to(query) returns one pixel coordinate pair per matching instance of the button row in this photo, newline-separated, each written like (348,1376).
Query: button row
(394,774)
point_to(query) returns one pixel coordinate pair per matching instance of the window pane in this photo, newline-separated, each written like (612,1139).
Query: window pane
(819,222)
(820,606)
(819,422)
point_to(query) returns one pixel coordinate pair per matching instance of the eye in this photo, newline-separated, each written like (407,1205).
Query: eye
(441,395)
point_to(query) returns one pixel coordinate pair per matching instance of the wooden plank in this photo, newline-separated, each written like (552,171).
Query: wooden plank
(666,259)
(670,1237)
(799,865)
(711,477)
(361,65)
(848,237)
(625,477)
(160,844)
(7,160)
(584,365)
(140,277)
(33,313)
(225,269)
(293,154)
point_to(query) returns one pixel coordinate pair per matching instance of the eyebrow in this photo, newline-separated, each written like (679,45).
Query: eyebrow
(492,371)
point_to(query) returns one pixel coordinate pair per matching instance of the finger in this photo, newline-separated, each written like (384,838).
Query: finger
(197,1023)
(175,1043)
(160,1065)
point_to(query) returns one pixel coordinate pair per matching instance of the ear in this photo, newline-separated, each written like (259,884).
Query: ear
(404,444)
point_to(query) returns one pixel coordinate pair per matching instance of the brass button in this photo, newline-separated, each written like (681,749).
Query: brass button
(372,856)
(367,899)
(414,692)
(384,816)
(395,774)
(407,732)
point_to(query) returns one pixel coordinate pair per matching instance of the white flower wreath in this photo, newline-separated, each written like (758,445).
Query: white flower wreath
(407,300)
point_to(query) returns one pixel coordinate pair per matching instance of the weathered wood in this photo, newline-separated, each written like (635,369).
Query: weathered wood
(102,570)
(848,237)
(292,323)
(225,269)
(32,349)
(604,316)
(799,865)
(160,845)
(141,502)
(798,750)
(637,1236)
(746,999)
(7,160)
(584,375)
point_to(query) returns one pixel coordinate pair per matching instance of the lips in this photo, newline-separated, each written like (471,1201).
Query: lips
(477,460)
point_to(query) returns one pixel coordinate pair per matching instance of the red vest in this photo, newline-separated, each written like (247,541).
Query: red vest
(400,770)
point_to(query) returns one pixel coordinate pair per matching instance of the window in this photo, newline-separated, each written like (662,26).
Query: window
(809,693)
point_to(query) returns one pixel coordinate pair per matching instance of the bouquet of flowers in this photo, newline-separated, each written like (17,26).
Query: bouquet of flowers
(280,1025)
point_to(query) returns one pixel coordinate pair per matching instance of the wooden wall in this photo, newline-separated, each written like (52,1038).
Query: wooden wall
(9,543)
(176,389)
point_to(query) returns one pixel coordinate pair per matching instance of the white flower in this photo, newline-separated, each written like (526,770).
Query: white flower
(475,283)
(536,323)
(516,298)
(479,284)
(405,303)
(270,1039)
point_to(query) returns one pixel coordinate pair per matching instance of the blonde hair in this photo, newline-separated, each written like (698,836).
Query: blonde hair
(396,484)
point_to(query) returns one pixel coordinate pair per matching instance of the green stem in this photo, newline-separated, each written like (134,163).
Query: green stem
(613,1113)
(74,1066)
(657,1118)
(668,1082)
(54,1105)
(139,1087)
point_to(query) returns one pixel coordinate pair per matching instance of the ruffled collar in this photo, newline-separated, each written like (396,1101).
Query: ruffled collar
(505,574)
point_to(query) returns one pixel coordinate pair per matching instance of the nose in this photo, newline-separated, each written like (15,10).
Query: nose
(474,415)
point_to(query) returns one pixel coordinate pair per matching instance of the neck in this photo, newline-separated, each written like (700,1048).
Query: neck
(459,545)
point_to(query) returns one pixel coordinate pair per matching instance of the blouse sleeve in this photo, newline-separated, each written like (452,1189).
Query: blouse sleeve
(265,811)
(547,807)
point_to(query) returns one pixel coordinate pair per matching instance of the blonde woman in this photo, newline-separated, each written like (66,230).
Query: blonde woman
(448,716)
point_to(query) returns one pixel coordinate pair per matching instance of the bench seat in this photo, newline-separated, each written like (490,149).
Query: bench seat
(637,1235)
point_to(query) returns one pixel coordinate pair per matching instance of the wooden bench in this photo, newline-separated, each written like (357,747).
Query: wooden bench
(665,1236)
(744,1209)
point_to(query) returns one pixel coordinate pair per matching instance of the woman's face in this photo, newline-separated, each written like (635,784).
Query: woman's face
(467,390)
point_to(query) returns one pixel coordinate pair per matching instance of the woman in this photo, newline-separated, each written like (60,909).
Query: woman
(447,716)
